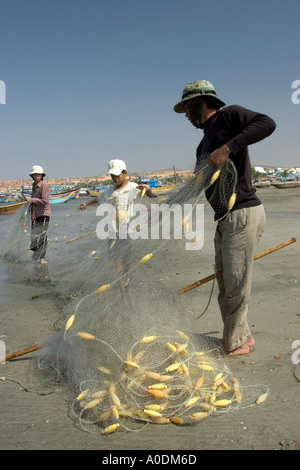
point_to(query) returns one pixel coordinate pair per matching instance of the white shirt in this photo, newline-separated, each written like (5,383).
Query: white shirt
(122,200)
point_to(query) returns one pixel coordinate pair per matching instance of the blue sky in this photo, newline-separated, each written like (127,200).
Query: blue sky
(91,80)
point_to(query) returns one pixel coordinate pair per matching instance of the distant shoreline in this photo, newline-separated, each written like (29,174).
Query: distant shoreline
(85,180)
(17,184)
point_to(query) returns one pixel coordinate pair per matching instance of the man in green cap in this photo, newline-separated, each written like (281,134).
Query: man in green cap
(228,131)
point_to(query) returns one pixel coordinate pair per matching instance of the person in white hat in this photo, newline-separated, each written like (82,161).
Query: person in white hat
(121,195)
(118,172)
(40,214)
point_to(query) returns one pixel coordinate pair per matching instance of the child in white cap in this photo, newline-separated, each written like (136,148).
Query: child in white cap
(122,193)
(122,196)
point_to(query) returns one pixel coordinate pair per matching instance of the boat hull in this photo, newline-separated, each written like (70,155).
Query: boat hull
(59,197)
(286,185)
(11,207)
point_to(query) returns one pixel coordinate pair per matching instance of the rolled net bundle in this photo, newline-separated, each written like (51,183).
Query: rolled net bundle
(218,186)
(127,348)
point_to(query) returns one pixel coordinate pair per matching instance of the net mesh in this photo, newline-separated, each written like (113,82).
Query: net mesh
(126,347)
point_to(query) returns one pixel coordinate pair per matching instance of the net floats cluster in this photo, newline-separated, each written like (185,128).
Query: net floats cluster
(162,380)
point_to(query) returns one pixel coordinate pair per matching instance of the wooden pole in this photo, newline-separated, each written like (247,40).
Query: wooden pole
(81,236)
(13,355)
(218,274)
(22,352)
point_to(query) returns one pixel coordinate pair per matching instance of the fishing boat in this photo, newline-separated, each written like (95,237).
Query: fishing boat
(4,198)
(56,198)
(286,184)
(11,207)
(159,190)
(54,195)
(95,192)
(75,190)
(61,198)
(83,192)
(15,198)
(74,195)
(262,184)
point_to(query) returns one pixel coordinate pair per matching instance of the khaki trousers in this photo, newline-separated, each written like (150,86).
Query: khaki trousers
(236,239)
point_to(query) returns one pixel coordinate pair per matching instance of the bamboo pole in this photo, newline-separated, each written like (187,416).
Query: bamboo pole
(21,352)
(81,236)
(218,274)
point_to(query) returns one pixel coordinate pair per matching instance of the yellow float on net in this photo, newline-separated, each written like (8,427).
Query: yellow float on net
(158,393)
(114,412)
(102,288)
(183,335)
(93,403)
(177,420)
(84,335)
(172,347)
(146,258)
(199,383)
(110,428)
(70,322)
(153,413)
(198,416)
(155,407)
(82,394)
(199,177)
(222,402)
(131,364)
(159,386)
(192,402)
(104,370)
(185,220)
(148,339)
(261,398)
(231,201)
(215,176)
(173,367)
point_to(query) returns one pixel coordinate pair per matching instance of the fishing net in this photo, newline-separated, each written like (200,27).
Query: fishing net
(127,348)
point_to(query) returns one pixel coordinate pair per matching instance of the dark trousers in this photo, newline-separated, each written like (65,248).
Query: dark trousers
(39,239)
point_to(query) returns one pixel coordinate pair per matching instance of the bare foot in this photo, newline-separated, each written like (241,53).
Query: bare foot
(43,261)
(250,342)
(244,349)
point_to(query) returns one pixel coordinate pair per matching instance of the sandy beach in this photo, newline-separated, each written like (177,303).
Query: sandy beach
(28,311)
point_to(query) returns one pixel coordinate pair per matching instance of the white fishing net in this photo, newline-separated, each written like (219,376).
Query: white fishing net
(126,346)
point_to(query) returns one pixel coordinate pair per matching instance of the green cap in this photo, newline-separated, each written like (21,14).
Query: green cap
(197,89)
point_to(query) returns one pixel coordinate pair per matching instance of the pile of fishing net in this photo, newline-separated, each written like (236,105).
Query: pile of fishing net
(132,357)
(128,349)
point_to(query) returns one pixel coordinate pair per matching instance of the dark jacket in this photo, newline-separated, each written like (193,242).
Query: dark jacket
(237,127)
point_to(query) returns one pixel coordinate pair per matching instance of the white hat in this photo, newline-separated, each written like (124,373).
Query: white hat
(115,167)
(36,169)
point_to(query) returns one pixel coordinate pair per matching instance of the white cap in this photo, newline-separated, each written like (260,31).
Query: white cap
(115,167)
(36,169)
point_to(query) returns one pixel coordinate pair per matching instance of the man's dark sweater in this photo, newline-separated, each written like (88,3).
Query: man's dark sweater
(237,127)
